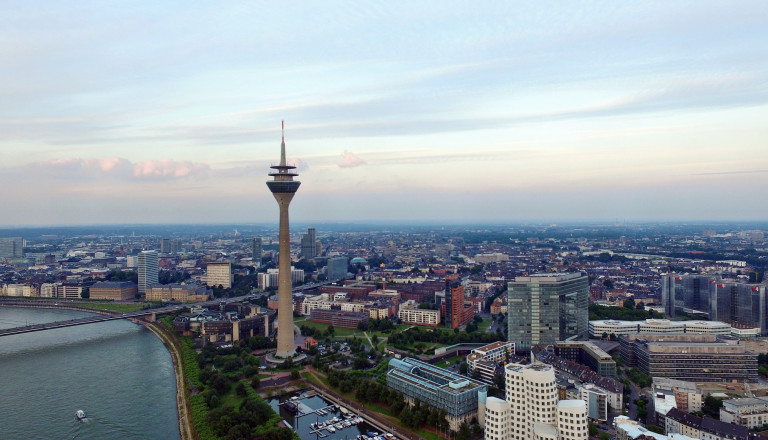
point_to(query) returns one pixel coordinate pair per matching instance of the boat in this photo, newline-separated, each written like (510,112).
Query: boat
(330,428)
(346,424)
(80,414)
(291,407)
(339,426)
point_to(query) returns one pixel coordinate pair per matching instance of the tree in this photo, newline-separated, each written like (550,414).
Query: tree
(593,429)
(711,406)
(331,330)
(604,436)
(629,303)
(295,374)
(463,368)
(464,432)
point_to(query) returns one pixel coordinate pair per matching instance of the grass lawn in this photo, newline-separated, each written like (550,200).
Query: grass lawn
(450,361)
(483,326)
(120,308)
(231,398)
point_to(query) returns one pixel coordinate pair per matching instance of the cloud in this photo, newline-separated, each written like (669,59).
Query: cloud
(350,160)
(122,169)
(732,172)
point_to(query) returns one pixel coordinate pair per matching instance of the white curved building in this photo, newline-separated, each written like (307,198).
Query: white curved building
(531,409)
(656,327)
(572,419)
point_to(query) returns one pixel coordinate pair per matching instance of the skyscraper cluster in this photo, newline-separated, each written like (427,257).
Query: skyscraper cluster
(742,305)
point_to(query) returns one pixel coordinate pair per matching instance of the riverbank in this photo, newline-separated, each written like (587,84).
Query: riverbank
(186,427)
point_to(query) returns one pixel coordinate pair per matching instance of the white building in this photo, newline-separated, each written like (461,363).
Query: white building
(748,411)
(656,326)
(410,313)
(148,270)
(269,279)
(219,274)
(597,401)
(531,409)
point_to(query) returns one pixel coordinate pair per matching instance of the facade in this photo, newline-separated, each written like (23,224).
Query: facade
(256,251)
(177,292)
(339,318)
(337,268)
(11,247)
(272,277)
(437,387)
(531,409)
(309,244)
(69,291)
(751,412)
(742,305)
(454,302)
(656,326)
(485,359)
(283,188)
(545,308)
(597,402)
(589,354)
(410,313)
(114,290)
(694,358)
(148,270)
(219,274)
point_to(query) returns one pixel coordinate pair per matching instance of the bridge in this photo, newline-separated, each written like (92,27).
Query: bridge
(68,304)
(102,315)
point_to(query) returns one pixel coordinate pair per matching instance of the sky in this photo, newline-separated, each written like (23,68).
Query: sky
(488,111)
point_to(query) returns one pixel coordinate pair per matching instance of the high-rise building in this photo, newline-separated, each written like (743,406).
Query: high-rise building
(337,268)
(256,251)
(742,305)
(309,244)
(531,409)
(148,270)
(165,245)
(283,188)
(454,302)
(11,247)
(545,308)
(219,274)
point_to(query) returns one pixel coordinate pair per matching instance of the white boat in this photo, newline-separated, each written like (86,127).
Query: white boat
(80,414)
(330,428)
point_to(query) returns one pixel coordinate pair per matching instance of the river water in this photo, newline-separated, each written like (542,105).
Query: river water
(118,372)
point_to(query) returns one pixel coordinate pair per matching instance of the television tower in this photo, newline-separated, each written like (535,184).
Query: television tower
(283,187)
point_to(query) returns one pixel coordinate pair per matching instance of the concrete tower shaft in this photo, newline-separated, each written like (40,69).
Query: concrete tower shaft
(283,187)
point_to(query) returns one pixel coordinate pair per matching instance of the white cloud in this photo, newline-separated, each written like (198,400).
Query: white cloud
(351,160)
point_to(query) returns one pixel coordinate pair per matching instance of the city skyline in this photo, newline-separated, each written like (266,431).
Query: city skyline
(166,113)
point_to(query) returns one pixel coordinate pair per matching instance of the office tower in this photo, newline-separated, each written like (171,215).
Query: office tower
(12,247)
(460,396)
(337,268)
(454,302)
(545,308)
(148,270)
(165,245)
(742,305)
(531,409)
(687,293)
(219,274)
(283,187)
(309,244)
(256,251)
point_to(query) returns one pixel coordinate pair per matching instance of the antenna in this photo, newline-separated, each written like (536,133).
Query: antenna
(282,147)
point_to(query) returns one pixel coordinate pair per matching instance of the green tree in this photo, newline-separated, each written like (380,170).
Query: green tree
(629,303)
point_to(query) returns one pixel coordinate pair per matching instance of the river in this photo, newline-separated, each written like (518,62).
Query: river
(118,372)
